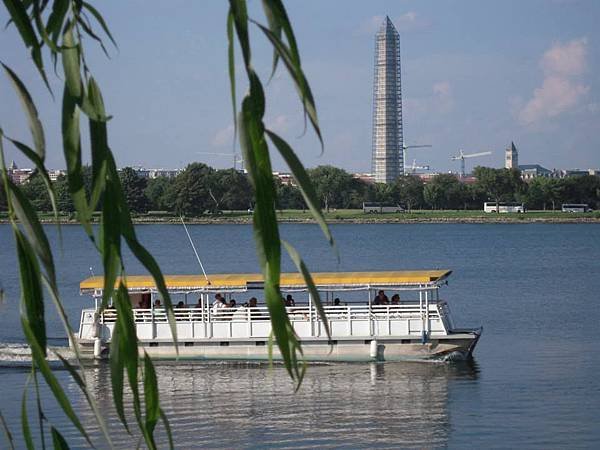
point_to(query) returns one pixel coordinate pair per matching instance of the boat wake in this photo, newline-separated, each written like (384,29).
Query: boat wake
(19,355)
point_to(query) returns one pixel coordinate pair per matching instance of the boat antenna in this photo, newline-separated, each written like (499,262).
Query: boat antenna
(194,248)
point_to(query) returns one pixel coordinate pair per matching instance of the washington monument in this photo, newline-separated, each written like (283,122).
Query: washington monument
(388,141)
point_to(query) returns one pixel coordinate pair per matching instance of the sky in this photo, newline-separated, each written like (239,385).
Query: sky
(476,75)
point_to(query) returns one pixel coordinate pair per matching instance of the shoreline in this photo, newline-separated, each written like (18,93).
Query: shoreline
(355,221)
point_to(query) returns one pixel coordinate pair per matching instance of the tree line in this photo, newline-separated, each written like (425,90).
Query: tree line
(200,189)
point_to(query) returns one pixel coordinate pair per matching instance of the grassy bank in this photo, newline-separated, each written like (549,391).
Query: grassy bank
(357,216)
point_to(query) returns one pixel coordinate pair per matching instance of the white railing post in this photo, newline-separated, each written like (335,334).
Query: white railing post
(310,315)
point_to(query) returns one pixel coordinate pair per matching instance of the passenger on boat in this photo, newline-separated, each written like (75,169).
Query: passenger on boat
(381,299)
(289,300)
(180,304)
(218,304)
(336,302)
(157,303)
(395,299)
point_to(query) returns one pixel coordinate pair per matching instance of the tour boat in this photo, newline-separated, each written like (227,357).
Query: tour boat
(363,326)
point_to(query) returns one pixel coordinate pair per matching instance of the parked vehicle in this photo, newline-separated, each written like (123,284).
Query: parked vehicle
(503,207)
(575,207)
(380,208)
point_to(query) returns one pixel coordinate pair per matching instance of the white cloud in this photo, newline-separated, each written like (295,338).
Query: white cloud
(280,124)
(561,90)
(223,137)
(441,100)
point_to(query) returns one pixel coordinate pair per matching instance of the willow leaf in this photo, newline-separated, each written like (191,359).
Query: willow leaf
(100,20)
(231,65)
(129,348)
(266,233)
(25,419)
(81,382)
(70,60)
(36,242)
(150,395)
(33,120)
(239,12)
(110,242)
(295,71)
(275,12)
(7,432)
(165,421)
(38,356)
(72,152)
(32,302)
(43,32)
(19,16)
(301,266)
(98,142)
(58,440)
(304,183)
(41,170)
(275,27)
(117,366)
(90,32)
(56,19)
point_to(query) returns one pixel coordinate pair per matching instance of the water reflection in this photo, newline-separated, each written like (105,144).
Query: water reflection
(227,405)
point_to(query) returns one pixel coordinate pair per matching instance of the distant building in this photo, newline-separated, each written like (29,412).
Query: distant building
(368,178)
(388,141)
(512,157)
(18,176)
(530,171)
(578,172)
(285,178)
(55,173)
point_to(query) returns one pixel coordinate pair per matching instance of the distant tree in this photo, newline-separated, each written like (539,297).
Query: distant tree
(499,184)
(408,191)
(381,192)
(333,186)
(134,187)
(190,191)
(35,190)
(288,196)
(3,204)
(230,189)
(64,202)
(445,191)
(156,191)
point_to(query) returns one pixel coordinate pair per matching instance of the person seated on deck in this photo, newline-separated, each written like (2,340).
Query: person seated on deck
(157,303)
(395,299)
(255,313)
(336,302)
(218,305)
(381,299)
(180,304)
(289,300)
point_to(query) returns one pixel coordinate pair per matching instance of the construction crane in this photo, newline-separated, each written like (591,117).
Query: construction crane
(236,158)
(414,167)
(461,156)
(404,147)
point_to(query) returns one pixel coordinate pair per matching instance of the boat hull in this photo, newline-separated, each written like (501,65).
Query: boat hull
(451,347)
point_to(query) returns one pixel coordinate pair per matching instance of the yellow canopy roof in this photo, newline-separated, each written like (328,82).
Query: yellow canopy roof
(288,280)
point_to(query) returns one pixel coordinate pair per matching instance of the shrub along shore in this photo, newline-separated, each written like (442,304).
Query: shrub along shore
(356,216)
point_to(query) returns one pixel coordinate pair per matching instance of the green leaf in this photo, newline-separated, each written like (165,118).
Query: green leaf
(56,19)
(18,14)
(316,298)
(275,27)
(304,184)
(150,395)
(295,70)
(72,151)
(8,434)
(32,302)
(35,126)
(231,65)
(38,357)
(238,9)
(41,170)
(70,60)
(165,421)
(58,440)
(93,35)
(117,366)
(100,20)
(33,229)
(25,419)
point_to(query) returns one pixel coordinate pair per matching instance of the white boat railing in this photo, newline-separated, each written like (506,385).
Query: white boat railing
(408,318)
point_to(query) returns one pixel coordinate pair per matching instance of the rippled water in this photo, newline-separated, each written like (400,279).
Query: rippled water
(533,382)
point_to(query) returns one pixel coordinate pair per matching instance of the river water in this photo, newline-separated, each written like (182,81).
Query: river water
(533,383)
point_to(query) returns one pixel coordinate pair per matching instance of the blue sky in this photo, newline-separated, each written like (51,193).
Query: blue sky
(476,75)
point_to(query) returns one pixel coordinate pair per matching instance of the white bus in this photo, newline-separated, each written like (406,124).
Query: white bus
(575,207)
(379,208)
(503,207)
